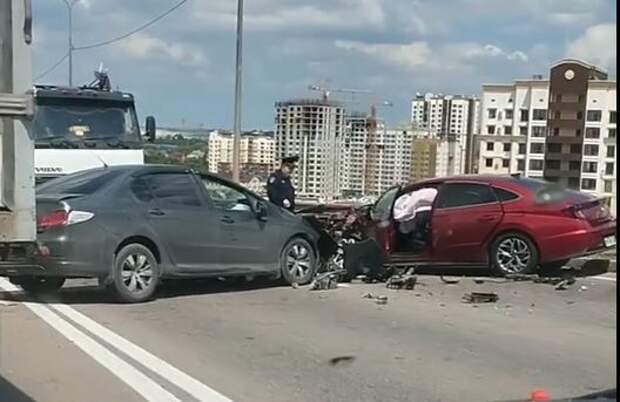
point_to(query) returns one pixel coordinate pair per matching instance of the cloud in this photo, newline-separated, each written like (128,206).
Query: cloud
(597,45)
(420,55)
(145,47)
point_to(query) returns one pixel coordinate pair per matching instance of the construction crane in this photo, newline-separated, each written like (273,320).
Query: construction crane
(326,92)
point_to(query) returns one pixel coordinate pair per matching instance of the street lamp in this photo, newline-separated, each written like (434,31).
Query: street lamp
(70,4)
(237,123)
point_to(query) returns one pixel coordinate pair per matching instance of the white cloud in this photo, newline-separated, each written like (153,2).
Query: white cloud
(597,45)
(420,55)
(145,47)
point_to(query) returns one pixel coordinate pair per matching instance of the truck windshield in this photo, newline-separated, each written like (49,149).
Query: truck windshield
(72,123)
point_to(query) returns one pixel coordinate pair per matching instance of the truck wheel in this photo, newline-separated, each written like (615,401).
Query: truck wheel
(136,274)
(40,284)
(298,262)
(513,253)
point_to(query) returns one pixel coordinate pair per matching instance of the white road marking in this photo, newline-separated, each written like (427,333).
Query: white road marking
(177,377)
(143,385)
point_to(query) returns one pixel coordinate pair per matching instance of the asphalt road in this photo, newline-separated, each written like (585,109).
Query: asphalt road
(216,342)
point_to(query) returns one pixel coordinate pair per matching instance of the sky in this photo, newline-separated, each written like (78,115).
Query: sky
(181,70)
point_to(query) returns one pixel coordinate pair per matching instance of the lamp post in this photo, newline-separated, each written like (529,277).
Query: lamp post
(70,4)
(237,123)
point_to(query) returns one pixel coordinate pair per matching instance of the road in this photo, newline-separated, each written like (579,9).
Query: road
(213,341)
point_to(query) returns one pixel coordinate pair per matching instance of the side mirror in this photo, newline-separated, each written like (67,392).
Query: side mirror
(151,129)
(261,211)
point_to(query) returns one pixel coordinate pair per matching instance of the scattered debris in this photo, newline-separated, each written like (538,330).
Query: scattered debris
(563,284)
(442,305)
(570,302)
(294,285)
(406,281)
(582,288)
(381,299)
(449,281)
(341,359)
(368,296)
(325,280)
(478,281)
(480,297)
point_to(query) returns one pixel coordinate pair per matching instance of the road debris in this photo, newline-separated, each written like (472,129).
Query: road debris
(325,280)
(295,285)
(449,281)
(479,297)
(334,361)
(582,288)
(368,296)
(406,281)
(564,283)
(381,299)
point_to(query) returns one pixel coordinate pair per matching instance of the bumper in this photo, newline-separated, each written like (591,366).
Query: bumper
(577,243)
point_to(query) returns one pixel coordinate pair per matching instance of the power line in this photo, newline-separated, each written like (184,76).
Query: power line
(140,28)
(52,68)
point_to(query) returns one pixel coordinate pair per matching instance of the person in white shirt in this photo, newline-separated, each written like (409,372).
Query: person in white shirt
(408,206)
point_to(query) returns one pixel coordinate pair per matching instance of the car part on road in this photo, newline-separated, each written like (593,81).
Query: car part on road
(39,284)
(402,281)
(136,273)
(326,280)
(513,253)
(334,361)
(381,299)
(449,281)
(298,262)
(480,297)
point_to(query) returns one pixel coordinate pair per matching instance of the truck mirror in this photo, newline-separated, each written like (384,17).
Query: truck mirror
(150,129)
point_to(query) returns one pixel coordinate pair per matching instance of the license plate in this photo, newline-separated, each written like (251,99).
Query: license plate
(610,241)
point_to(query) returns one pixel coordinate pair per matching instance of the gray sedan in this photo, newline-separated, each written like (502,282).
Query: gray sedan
(131,226)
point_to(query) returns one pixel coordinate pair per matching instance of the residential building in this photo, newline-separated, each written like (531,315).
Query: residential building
(455,115)
(562,129)
(435,155)
(313,129)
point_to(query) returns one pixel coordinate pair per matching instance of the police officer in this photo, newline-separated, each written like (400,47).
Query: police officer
(279,188)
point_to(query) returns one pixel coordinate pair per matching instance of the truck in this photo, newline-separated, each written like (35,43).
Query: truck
(85,127)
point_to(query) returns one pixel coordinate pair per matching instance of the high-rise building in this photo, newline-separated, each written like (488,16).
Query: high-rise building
(257,152)
(562,129)
(312,129)
(435,155)
(455,115)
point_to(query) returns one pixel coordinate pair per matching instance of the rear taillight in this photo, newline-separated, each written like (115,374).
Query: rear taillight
(62,218)
(573,212)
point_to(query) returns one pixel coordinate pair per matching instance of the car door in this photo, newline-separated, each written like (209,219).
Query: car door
(381,226)
(246,239)
(465,216)
(180,217)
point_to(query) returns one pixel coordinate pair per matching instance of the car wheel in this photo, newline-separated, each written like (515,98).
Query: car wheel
(298,262)
(40,284)
(513,253)
(136,274)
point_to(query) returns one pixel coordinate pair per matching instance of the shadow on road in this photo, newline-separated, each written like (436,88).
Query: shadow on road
(9,392)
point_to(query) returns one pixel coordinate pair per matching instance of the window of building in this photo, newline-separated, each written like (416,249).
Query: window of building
(525,115)
(588,184)
(593,132)
(537,148)
(536,164)
(509,113)
(590,167)
(521,165)
(492,113)
(522,149)
(609,186)
(590,150)
(593,115)
(523,130)
(507,147)
(553,164)
(505,163)
(611,133)
(490,146)
(539,114)
(490,129)
(555,148)
(556,131)
(507,130)
(488,162)
(612,117)
(575,148)
(538,131)
(578,132)
(609,168)
(574,165)
(558,115)
(611,151)
(558,98)
(464,195)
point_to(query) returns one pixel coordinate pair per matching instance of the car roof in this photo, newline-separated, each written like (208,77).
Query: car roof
(509,180)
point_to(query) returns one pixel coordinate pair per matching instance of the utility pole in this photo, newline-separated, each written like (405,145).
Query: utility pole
(70,4)
(237,124)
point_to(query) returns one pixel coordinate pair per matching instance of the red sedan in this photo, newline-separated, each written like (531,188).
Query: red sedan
(510,223)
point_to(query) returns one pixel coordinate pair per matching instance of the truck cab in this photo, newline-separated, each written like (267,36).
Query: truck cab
(81,128)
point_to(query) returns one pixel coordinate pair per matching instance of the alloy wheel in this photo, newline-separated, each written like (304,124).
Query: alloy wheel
(298,261)
(136,272)
(513,255)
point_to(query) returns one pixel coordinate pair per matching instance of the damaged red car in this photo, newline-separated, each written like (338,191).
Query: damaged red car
(511,224)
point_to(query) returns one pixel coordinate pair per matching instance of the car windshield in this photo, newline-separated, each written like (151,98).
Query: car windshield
(72,123)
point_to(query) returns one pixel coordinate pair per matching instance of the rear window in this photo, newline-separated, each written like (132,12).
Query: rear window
(83,183)
(505,195)
(547,192)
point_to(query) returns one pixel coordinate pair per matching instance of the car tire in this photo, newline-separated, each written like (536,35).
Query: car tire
(40,284)
(513,253)
(136,274)
(298,262)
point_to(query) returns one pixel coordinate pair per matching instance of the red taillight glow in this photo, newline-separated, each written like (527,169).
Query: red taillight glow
(52,220)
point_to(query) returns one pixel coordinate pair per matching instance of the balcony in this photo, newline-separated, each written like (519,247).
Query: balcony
(562,156)
(561,139)
(559,123)
(561,173)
